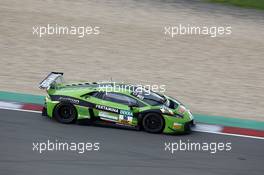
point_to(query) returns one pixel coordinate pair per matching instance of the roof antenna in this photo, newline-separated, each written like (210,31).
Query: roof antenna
(111,79)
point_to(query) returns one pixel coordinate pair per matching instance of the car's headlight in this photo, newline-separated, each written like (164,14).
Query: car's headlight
(166,110)
(181,109)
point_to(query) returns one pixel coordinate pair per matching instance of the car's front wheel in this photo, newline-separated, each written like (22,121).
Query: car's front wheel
(65,113)
(153,123)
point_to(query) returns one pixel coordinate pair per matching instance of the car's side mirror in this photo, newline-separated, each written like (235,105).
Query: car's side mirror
(133,106)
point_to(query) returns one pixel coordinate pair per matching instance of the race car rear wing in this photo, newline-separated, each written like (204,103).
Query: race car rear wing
(52,79)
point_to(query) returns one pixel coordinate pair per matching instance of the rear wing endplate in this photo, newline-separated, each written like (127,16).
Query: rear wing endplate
(51,79)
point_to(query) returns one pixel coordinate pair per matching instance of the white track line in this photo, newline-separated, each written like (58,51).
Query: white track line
(229,134)
(14,105)
(196,130)
(23,110)
(207,127)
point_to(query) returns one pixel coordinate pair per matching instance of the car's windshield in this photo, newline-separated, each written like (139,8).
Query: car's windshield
(148,96)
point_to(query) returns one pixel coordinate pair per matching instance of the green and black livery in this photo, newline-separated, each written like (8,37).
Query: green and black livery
(103,103)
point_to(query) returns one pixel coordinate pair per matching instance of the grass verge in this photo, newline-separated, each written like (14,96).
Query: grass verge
(256,4)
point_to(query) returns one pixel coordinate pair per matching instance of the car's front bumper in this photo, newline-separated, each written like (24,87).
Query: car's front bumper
(188,126)
(177,125)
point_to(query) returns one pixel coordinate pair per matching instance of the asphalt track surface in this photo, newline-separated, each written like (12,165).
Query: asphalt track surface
(121,151)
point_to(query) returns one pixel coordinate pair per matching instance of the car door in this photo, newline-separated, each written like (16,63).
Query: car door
(115,107)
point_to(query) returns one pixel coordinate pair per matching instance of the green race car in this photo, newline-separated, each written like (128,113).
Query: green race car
(114,104)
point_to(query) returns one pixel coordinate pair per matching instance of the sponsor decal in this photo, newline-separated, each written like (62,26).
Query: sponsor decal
(107,116)
(125,112)
(49,80)
(106,108)
(124,119)
(177,125)
(72,100)
(75,101)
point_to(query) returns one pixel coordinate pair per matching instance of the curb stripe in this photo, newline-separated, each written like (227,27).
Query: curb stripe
(243,131)
(232,122)
(22,110)
(32,107)
(13,105)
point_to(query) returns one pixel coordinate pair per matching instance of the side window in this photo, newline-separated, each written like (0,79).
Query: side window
(119,98)
(93,94)
(98,95)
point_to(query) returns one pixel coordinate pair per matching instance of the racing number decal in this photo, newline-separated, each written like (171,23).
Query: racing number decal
(126,117)
(127,120)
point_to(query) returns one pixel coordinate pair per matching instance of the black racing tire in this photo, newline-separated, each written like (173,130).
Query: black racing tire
(44,111)
(153,123)
(65,113)
(188,127)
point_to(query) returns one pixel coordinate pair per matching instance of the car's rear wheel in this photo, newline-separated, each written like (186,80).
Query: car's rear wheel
(65,113)
(153,123)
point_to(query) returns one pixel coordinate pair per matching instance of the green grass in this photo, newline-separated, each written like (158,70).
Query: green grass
(256,4)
